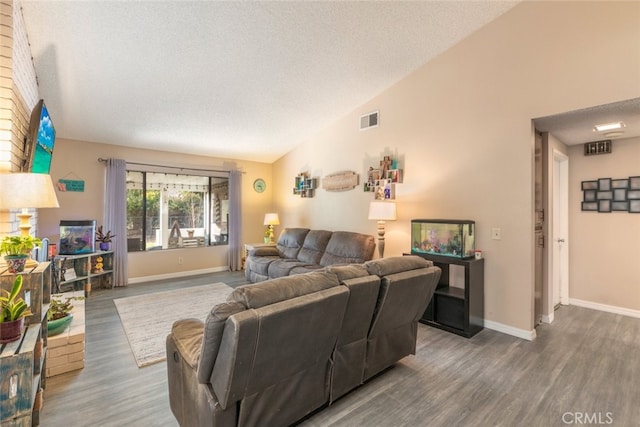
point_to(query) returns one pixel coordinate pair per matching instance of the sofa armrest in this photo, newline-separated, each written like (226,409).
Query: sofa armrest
(264,251)
(187,334)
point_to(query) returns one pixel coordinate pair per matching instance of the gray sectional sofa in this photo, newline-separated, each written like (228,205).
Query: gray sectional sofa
(281,349)
(301,250)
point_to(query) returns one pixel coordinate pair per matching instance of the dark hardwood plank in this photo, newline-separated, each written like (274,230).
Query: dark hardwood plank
(585,362)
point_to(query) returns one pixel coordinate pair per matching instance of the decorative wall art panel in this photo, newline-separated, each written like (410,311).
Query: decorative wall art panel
(611,195)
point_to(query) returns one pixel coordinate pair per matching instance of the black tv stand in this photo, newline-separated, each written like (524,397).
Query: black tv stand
(457,307)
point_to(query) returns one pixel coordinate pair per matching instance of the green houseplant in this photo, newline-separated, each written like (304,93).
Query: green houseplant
(13,310)
(16,250)
(104,238)
(59,316)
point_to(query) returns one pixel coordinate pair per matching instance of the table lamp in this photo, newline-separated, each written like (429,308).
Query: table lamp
(271,219)
(382,211)
(27,191)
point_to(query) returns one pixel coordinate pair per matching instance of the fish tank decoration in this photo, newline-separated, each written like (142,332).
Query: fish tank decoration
(443,237)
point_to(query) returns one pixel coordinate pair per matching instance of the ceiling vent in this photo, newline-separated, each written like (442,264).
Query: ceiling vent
(597,147)
(370,120)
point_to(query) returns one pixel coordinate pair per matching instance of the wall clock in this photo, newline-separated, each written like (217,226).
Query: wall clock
(259,185)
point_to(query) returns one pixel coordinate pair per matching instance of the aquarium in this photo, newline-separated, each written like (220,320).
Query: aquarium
(77,237)
(445,237)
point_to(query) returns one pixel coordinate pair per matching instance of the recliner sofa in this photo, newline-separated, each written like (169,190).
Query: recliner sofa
(281,349)
(301,250)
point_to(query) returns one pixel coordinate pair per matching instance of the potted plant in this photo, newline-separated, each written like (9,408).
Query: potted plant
(104,238)
(16,250)
(13,310)
(59,316)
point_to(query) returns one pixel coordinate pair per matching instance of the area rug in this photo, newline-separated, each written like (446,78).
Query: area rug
(147,319)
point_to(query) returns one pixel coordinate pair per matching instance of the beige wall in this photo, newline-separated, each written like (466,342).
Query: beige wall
(79,160)
(461,129)
(604,257)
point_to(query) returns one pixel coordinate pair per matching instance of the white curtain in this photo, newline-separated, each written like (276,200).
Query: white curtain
(235,220)
(115,217)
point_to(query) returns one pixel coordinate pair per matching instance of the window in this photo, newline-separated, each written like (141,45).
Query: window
(166,210)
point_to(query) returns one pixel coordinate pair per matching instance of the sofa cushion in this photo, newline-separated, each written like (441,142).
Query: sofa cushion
(385,266)
(346,247)
(213,329)
(290,242)
(350,271)
(283,267)
(284,288)
(314,246)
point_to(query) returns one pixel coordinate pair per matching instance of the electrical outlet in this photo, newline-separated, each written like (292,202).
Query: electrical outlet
(496,234)
(180,260)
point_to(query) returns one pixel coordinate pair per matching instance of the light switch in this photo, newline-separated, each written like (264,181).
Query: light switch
(496,234)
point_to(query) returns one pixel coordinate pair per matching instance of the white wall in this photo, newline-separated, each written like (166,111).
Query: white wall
(461,129)
(604,258)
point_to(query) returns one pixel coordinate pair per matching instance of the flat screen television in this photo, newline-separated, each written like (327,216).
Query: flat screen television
(40,140)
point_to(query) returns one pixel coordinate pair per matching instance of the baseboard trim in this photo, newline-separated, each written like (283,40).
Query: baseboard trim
(604,307)
(510,330)
(142,279)
(548,318)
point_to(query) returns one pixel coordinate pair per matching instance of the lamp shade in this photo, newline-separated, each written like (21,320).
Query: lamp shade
(382,211)
(271,219)
(27,190)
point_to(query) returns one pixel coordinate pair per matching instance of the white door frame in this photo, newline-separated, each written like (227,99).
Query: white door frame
(558,255)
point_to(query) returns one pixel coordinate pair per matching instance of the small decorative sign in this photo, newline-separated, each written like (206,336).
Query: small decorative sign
(341,181)
(71,185)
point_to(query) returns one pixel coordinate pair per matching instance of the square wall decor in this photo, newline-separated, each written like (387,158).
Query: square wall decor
(611,195)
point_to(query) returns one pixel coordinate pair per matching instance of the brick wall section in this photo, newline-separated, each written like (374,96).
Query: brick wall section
(18,95)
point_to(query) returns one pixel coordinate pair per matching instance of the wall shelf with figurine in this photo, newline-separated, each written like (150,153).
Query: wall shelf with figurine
(304,186)
(382,182)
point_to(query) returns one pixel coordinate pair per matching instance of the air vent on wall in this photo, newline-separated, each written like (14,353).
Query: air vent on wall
(597,147)
(370,120)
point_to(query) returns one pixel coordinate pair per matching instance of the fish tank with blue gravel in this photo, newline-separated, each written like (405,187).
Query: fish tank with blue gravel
(443,237)
(77,237)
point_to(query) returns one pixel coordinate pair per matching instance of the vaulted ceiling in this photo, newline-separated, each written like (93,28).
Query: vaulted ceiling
(244,80)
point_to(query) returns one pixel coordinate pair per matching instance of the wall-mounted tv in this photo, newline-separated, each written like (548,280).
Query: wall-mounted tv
(40,140)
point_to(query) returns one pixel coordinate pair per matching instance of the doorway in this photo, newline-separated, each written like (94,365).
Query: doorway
(551,228)
(559,257)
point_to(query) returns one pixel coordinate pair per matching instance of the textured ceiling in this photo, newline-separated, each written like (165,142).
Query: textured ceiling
(243,80)
(576,127)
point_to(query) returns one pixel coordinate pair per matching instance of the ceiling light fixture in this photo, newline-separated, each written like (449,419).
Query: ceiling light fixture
(608,126)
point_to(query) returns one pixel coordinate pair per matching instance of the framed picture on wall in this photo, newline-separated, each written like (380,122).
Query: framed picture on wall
(590,206)
(633,194)
(589,195)
(589,185)
(634,206)
(620,194)
(604,205)
(619,183)
(620,206)
(604,184)
(634,182)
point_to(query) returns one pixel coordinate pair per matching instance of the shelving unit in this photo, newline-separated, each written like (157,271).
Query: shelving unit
(458,302)
(304,186)
(78,272)
(22,362)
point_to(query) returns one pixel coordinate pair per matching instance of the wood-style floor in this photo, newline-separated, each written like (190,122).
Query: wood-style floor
(582,369)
